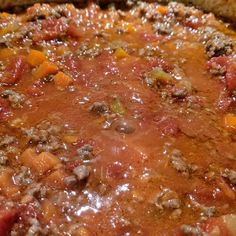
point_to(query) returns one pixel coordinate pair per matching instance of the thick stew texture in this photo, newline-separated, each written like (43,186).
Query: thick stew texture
(117,122)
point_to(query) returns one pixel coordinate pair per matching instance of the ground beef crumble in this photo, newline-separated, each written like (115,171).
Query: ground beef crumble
(16,99)
(99,108)
(216,43)
(45,136)
(167,199)
(189,230)
(230,175)
(178,162)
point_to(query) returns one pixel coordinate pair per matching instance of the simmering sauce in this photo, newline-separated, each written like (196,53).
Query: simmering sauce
(117,122)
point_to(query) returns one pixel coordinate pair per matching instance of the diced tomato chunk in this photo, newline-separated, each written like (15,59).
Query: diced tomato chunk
(208,195)
(51,29)
(228,68)
(7,220)
(15,70)
(116,171)
(28,211)
(225,103)
(73,65)
(167,125)
(221,61)
(214,224)
(53,25)
(231,77)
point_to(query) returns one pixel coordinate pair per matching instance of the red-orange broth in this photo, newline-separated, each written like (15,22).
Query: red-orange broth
(117,122)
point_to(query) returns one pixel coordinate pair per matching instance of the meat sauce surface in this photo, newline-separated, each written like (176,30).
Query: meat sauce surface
(117,122)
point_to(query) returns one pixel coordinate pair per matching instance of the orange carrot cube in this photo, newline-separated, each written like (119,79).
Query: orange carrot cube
(45,69)
(49,210)
(39,163)
(121,53)
(36,57)
(62,80)
(56,179)
(162,10)
(6,53)
(230,120)
(7,187)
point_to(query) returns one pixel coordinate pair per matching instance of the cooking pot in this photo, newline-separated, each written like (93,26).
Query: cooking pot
(223,8)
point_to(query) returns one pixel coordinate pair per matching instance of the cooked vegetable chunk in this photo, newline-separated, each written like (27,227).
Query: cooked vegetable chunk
(36,57)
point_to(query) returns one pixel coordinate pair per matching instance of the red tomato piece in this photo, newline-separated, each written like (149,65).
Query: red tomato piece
(73,65)
(116,171)
(28,211)
(7,220)
(214,223)
(225,103)
(51,29)
(228,66)
(221,61)
(208,195)
(167,125)
(15,70)
(231,77)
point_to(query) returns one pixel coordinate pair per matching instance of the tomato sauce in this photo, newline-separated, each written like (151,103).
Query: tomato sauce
(117,122)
